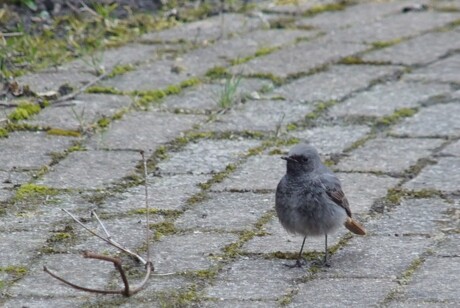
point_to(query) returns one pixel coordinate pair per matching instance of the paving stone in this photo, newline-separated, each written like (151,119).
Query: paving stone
(416,51)
(450,247)
(239,303)
(250,279)
(128,231)
(85,272)
(11,179)
(152,128)
(205,97)
(376,257)
(30,150)
(388,154)
(46,301)
(336,83)
(227,211)
(363,189)
(446,117)
(332,139)
(261,172)
(342,292)
(163,194)
(416,216)
(18,248)
(362,13)
(445,70)
(384,99)
(81,113)
(423,304)
(278,239)
(452,149)
(188,252)
(220,53)
(156,285)
(442,176)
(91,169)
(109,58)
(259,116)
(299,58)
(51,80)
(436,280)
(206,30)
(150,76)
(394,27)
(249,44)
(206,156)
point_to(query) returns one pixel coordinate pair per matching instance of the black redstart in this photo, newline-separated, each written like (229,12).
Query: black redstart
(310,200)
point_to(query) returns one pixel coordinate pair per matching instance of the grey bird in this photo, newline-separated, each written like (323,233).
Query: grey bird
(310,200)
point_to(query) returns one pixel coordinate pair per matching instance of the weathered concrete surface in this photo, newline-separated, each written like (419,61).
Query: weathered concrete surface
(214,238)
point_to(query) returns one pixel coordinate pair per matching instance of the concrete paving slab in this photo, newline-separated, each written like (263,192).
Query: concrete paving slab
(385,154)
(30,150)
(442,176)
(91,169)
(206,156)
(336,83)
(447,117)
(152,128)
(226,212)
(385,99)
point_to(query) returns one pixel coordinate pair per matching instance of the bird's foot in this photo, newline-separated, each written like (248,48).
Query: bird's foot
(321,263)
(298,263)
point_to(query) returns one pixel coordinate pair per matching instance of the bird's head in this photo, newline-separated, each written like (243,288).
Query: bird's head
(302,158)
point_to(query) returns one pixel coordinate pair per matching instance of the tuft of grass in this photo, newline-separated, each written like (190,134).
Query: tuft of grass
(229,94)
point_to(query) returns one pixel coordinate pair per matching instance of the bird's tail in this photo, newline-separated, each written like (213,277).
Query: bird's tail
(354,226)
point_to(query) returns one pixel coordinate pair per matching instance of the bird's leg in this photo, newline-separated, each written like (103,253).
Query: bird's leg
(298,263)
(326,261)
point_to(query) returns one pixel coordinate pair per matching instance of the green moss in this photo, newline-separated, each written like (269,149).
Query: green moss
(276,151)
(396,116)
(163,228)
(291,127)
(217,72)
(184,298)
(190,82)
(14,270)
(319,110)
(394,195)
(406,277)
(321,8)
(207,274)
(351,60)
(60,237)
(385,44)
(63,132)
(275,79)
(33,192)
(103,122)
(285,22)
(24,111)
(121,69)
(3,133)
(76,148)
(103,90)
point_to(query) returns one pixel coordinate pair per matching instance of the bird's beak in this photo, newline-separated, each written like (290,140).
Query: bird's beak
(287,158)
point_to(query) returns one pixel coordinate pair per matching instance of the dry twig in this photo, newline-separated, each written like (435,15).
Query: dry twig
(127,291)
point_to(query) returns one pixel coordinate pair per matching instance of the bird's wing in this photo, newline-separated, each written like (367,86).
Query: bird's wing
(334,190)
